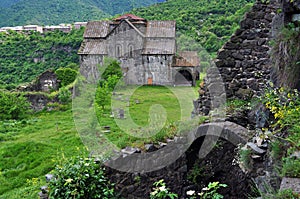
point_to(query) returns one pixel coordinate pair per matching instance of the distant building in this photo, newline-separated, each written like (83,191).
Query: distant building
(33,28)
(145,49)
(78,25)
(63,28)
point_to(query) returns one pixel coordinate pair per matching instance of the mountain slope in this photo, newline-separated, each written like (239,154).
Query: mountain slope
(209,22)
(7,3)
(45,12)
(24,56)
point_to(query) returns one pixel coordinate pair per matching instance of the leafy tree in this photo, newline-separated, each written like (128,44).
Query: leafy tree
(112,67)
(66,76)
(12,106)
(103,95)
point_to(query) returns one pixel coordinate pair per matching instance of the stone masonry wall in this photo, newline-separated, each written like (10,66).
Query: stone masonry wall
(244,61)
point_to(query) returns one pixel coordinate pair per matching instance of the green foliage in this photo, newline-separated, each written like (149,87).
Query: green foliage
(286,55)
(103,95)
(31,148)
(209,192)
(111,67)
(14,12)
(80,178)
(209,22)
(160,191)
(66,76)
(196,173)
(245,158)
(286,194)
(25,56)
(284,104)
(12,106)
(64,95)
(291,167)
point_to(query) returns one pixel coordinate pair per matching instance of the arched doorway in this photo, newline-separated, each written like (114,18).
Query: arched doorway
(183,77)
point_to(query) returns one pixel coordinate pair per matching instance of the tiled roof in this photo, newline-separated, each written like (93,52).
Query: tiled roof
(92,47)
(187,59)
(130,17)
(160,46)
(161,29)
(96,29)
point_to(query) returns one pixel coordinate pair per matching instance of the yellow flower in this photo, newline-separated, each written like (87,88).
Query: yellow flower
(273,109)
(69,180)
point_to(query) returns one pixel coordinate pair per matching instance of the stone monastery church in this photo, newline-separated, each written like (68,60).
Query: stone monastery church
(146,50)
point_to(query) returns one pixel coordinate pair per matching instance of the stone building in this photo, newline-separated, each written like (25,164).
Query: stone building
(146,50)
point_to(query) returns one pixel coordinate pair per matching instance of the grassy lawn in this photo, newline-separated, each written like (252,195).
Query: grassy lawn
(152,114)
(30,149)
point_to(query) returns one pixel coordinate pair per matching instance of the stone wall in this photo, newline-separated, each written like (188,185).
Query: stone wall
(188,171)
(244,61)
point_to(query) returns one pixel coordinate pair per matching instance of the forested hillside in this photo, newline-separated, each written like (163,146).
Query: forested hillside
(24,56)
(44,12)
(210,22)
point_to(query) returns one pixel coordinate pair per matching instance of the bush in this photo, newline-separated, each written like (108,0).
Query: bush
(64,95)
(113,68)
(80,178)
(12,106)
(66,76)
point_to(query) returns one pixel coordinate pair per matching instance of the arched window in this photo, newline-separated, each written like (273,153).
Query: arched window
(130,51)
(118,51)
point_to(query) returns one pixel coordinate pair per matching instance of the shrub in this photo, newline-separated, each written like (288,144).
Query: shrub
(112,67)
(66,76)
(80,178)
(64,95)
(12,106)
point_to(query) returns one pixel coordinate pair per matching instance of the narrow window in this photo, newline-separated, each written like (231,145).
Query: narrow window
(130,53)
(118,51)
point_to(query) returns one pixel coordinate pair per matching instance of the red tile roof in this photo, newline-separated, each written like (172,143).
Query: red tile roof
(129,16)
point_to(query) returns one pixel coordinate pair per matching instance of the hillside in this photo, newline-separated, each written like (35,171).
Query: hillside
(24,56)
(210,22)
(43,12)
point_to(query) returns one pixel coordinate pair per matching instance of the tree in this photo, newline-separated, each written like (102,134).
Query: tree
(103,95)
(12,106)
(112,67)
(66,76)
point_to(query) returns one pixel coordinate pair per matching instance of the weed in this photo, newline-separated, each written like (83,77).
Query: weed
(245,158)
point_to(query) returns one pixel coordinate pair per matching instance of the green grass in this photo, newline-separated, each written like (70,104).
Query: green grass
(31,150)
(160,114)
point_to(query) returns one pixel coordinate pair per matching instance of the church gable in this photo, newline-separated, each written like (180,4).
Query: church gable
(145,49)
(124,41)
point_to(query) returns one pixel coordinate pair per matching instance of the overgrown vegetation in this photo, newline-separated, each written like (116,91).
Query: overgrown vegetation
(26,12)
(80,178)
(284,104)
(208,22)
(286,56)
(24,56)
(31,148)
(12,106)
